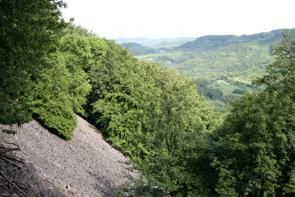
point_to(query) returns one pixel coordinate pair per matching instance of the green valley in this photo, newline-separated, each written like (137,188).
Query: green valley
(222,66)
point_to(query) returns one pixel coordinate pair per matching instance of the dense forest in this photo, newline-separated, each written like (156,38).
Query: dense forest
(52,70)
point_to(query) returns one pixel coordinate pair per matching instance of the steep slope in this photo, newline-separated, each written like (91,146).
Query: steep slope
(84,166)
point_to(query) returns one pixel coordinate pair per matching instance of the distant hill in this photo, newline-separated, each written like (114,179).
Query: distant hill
(226,63)
(218,55)
(209,42)
(219,41)
(156,43)
(138,49)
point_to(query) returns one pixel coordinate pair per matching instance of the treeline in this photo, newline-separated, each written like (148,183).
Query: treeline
(51,70)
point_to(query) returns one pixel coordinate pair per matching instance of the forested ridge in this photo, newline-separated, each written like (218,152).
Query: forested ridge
(52,70)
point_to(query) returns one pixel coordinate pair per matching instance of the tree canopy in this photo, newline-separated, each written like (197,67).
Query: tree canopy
(29,31)
(52,71)
(253,151)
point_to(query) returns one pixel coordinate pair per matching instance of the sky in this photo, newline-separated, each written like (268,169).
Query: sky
(180,18)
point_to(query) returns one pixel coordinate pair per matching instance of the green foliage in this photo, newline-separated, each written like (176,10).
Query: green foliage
(253,152)
(254,148)
(152,114)
(62,89)
(239,91)
(76,51)
(225,68)
(120,97)
(34,76)
(29,82)
(29,30)
(51,100)
(281,73)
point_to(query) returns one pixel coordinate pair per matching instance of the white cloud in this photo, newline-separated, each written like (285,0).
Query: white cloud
(175,18)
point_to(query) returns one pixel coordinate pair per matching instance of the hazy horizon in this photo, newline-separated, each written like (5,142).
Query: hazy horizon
(162,19)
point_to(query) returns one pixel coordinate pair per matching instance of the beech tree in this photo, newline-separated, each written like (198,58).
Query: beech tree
(29,31)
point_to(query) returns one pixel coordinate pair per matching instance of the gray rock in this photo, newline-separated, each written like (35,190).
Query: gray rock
(84,166)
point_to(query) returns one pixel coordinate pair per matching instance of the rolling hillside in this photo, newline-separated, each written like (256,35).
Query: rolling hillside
(224,63)
(224,51)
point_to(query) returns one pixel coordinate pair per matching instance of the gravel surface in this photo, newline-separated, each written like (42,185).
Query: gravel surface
(84,166)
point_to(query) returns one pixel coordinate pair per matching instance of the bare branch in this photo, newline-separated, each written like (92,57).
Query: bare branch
(16,187)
